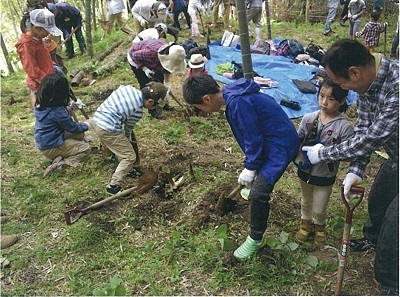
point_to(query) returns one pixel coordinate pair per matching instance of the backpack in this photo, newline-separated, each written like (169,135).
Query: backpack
(290,47)
(261,47)
(238,72)
(188,45)
(315,51)
(203,50)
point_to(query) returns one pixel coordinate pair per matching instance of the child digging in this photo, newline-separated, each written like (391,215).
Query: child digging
(265,134)
(57,136)
(327,126)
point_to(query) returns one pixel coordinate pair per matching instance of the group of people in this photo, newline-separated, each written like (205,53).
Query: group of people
(270,142)
(266,135)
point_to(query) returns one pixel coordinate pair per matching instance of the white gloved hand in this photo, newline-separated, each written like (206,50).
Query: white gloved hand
(350,180)
(247,177)
(358,34)
(89,124)
(353,17)
(78,104)
(168,85)
(149,73)
(312,153)
(144,23)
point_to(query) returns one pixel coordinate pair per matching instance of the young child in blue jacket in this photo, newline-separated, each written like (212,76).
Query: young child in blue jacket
(57,136)
(265,134)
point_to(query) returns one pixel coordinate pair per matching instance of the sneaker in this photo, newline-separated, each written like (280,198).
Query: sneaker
(361,245)
(186,27)
(213,25)
(134,173)
(342,23)
(113,189)
(248,248)
(156,115)
(329,33)
(168,107)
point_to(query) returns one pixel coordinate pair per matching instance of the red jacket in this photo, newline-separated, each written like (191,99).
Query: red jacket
(35,59)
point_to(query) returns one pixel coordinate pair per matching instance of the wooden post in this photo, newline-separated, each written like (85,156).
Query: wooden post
(307,10)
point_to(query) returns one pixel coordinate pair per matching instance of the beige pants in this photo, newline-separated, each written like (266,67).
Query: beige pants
(314,202)
(226,13)
(120,145)
(118,17)
(74,150)
(139,28)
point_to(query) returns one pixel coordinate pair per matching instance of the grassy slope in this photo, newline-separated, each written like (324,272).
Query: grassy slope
(165,255)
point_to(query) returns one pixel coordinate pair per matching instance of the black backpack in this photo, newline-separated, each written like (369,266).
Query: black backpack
(188,45)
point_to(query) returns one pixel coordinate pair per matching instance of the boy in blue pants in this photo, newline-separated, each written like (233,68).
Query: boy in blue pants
(265,134)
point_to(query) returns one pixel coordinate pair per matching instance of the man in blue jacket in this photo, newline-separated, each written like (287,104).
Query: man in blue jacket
(265,134)
(69,18)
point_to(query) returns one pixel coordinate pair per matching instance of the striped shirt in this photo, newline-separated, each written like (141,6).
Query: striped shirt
(377,124)
(371,32)
(124,107)
(145,53)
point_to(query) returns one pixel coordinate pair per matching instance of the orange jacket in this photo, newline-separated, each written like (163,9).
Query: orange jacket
(35,59)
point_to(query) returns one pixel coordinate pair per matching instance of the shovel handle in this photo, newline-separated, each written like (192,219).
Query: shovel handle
(350,209)
(235,191)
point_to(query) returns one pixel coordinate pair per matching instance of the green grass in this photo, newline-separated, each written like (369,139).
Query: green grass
(153,245)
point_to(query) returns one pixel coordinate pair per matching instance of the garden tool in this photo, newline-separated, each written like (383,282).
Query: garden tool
(232,194)
(146,181)
(68,38)
(384,38)
(350,207)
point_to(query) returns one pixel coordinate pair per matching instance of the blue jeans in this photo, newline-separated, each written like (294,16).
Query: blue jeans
(332,7)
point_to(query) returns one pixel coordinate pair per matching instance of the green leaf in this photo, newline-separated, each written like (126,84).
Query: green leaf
(284,237)
(99,292)
(272,242)
(120,290)
(115,281)
(222,231)
(312,261)
(292,246)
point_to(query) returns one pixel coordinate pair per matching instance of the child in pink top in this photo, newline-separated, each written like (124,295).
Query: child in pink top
(196,64)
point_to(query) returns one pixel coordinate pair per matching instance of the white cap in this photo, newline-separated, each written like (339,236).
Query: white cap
(45,19)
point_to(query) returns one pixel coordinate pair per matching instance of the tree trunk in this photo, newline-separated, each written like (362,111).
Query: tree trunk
(88,18)
(77,79)
(244,39)
(94,15)
(109,66)
(16,15)
(307,11)
(267,14)
(5,53)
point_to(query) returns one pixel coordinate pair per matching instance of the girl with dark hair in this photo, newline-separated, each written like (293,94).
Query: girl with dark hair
(327,126)
(57,136)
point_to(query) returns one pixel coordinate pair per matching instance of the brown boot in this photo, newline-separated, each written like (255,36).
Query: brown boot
(8,240)
(304,231)
(319,236)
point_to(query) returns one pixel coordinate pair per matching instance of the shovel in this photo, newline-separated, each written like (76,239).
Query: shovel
(359,191)
(146,181)
(232,194)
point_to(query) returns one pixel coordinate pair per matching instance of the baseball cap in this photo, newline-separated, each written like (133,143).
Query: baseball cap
(172,58)
(45,19)
(161,27)
(160,9)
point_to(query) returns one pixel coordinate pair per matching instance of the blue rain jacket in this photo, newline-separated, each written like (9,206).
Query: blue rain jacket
(264,132)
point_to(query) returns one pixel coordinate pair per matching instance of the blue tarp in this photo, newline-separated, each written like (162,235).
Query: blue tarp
(277,68)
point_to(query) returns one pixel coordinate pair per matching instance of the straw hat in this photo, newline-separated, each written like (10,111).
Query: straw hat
(172,58)
(197,61)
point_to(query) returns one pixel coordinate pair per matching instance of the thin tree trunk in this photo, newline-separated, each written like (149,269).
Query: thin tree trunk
(89,42)
(94,15)
(307,11)
(16,17)
(5,53)
(267,14)
(244,39)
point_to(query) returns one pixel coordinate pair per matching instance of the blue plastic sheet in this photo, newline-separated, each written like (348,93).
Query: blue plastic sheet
(277,68)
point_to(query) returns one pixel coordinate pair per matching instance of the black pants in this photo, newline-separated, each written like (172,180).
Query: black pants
(259,207)
(387,251)
(176,17)
(384,189)
(69,45)
(142,78)
(345,9)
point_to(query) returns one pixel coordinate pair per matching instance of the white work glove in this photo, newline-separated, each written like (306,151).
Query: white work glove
(89,124)
(78,104)
(358,34)
(312,153)
(353,17)
(168,85)
(247,177)
(144,23)
(149,73)
(350,180)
